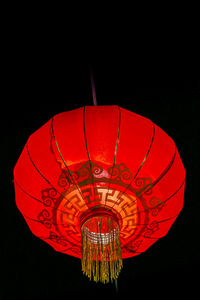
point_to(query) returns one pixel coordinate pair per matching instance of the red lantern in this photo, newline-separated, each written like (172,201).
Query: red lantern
(100,183)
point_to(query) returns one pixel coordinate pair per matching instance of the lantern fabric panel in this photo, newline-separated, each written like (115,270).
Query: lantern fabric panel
(69,135)
(44,154)
(101,133)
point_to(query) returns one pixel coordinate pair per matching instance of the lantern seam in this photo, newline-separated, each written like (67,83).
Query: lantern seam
(84,129)
(115,153)
(137,224)
(87,149)
(165,171)
(162,174)
(162,201)
(35,220)
(36,199)
(28,193)
(140,165)
(36,167)
(154,238)
(46,237)
(63,238)
(43,175)
(157,180)
(65,162)
(153,135)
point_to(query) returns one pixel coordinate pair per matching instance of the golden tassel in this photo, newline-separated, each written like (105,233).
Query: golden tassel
(101,252)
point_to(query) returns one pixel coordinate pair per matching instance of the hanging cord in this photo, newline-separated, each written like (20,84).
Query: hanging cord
(93,87)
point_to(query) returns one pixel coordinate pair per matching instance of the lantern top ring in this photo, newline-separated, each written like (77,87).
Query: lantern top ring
(98,211)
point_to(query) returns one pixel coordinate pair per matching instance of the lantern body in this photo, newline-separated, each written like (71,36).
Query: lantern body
(99,160)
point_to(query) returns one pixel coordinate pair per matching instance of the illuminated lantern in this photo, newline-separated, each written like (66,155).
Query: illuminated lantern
(100,183)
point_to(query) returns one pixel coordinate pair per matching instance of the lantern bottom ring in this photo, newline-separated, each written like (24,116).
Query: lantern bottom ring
(101,250)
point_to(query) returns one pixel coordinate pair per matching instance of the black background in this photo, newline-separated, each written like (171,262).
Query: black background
(45,76)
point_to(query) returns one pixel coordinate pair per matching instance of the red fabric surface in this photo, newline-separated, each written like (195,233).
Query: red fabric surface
(99,158)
